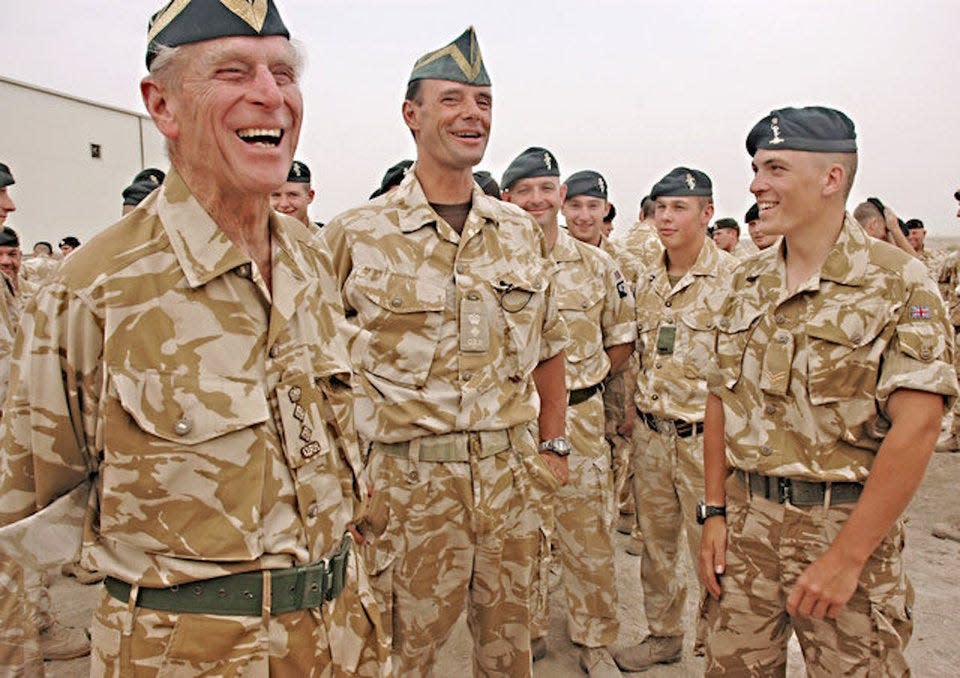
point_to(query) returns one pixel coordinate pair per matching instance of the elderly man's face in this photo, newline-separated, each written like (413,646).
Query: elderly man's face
(235,120)
(10,260)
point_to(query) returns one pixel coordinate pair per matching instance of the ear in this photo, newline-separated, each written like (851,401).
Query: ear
(410,117)
(310,194)
(707,214)
(159,107)
(563,193)
(834,180)
(505,195)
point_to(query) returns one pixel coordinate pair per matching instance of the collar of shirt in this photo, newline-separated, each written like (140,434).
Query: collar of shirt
(415,211)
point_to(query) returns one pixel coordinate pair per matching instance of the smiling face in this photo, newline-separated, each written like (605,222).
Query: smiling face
(450,122)
(682,221)
(293,198)
(541,197)
(584,215)
(760,239)
(726,239)
(231,110)
(10,260)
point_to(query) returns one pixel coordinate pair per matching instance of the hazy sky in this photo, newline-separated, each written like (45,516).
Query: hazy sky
(631,89)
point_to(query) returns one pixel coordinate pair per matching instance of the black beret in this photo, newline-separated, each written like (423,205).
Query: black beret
(392,177)
(611,214)
(814,128)
(143,185)
(752,214)
(182,23)
(6,176)
(726,222)
(956,195)
(9,238)
(299,173)
(681,182)
(533,162)
(913,224)
(487,183)
(586,182)
(69,240)
(460,61)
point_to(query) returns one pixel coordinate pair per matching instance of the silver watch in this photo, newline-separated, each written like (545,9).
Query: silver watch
(559,446)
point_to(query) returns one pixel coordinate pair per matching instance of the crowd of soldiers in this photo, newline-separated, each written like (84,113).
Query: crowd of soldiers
(311,451)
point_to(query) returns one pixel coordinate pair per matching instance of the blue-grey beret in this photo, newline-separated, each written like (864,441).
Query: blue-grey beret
(299,173)
(752,214)
(533,162)
(681,182)
(143,185)
(586,182)
(9,237)
(487,183)
(460,61)
(183,22)
(814,128)
(392,177)
(6,176)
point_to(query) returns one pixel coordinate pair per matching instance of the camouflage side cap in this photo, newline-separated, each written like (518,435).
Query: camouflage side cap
(533,162)
(143,185)
(681,182)
(460,61)
(6,176)
(299,173)
(487,183)
(392,177)
(182,22)
(586,182)
(752,214)
(9,237)
(814,128)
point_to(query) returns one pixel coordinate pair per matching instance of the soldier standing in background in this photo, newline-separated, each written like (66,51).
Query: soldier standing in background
(189,364)
(676,319)
(833,364)
(457,332)
(296,194)
(598,310)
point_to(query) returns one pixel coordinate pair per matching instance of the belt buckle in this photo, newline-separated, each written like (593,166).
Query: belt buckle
(784,490)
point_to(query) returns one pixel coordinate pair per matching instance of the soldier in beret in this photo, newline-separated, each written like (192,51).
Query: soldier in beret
(608,218)
(834,362)
(597,308)
(145,183)
(458,333)
(295,195)
(752,220)
(487,183)
(188,363)
(676,317)
(726,236)
(392,178)
(68,244)
(917,236)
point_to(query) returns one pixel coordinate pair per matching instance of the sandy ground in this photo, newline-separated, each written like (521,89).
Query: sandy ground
(933,564)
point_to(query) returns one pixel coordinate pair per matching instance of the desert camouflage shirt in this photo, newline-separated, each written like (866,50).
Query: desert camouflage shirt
(212,415)
(949,281)
(676,326)
(627,264)
(9,322)
(596,305)
(933,260)
(450,326)
(805,377)
(642,245)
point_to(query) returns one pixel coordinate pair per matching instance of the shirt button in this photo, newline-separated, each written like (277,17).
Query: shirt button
(783,338)
(655,397)
(668,304)
(396,302)
(926,353)
(780,318)
(274,351)
(467,376)
(183,426)
(724,323)
(657,365)
(770,408)
(584,304)
(766,451)
(313,510)
(461,268)
(473,296)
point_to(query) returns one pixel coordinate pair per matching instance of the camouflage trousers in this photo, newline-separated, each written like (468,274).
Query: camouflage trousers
(769,546)
(450,535)
(583,513)
(341,638)
(617,396)
(19,634)
(668,481)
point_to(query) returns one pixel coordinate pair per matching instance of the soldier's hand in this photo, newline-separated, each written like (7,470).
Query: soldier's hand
(825,587)
(713,554)
(558,466)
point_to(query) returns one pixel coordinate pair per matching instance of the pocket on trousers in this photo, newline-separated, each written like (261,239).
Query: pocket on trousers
(212,644)
(892,624)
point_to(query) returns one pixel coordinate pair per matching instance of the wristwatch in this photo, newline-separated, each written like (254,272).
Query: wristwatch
(705,511)
(559,446)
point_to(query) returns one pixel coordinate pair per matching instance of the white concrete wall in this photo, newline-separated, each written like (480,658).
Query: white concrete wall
(61,190)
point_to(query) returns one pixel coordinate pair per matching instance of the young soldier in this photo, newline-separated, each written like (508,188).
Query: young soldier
(458,331)
(295,195)
(598,311)
(676,321)
(834,361)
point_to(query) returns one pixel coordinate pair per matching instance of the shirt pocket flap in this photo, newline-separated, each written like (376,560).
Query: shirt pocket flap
(399,293)
(921,341)
(189,409)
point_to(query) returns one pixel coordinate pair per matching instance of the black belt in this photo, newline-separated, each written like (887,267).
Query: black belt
(799,492)
(683,429)
(580,395)
(293,588)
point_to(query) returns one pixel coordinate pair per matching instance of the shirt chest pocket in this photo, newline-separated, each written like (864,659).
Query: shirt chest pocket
(843,351)
(581,309)
(522,305)
(183,466)
(401,318)
(695,338)
(733,335)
